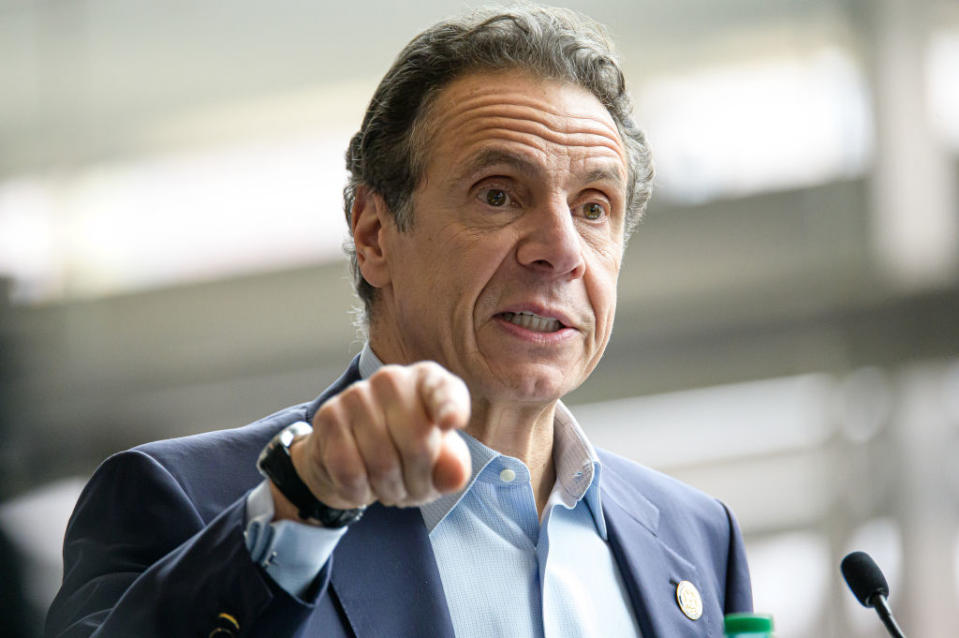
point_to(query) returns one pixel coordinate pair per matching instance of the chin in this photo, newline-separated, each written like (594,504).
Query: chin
(535,388)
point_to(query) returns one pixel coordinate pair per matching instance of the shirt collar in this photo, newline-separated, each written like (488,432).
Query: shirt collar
(578,467)
(369,362)
(577,464)
(480,456)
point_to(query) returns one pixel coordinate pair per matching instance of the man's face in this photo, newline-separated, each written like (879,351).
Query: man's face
(508,274)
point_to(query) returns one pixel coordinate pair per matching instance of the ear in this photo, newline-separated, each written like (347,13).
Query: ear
(369,221)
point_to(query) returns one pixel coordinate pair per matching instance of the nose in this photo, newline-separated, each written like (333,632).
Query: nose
(551,243)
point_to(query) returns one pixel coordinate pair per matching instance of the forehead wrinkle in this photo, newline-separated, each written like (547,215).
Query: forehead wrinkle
(549,124)
(533,133)
(484,114)
(567,137)
(523,101)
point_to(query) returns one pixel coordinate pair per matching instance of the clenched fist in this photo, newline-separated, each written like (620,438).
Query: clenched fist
(390,438)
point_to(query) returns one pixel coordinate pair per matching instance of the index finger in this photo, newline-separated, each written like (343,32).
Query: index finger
(445,397)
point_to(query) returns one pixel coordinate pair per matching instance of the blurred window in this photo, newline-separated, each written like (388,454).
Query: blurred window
(943,83)
(791,578)
(773,124)
(164,220)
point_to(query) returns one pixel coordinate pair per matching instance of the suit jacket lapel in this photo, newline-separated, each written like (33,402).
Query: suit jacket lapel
(385,577)
(383,569)
(650,568)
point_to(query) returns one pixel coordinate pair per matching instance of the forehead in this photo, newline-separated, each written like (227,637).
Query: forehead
(541,120)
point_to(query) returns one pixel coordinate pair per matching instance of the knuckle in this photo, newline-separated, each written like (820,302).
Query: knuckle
(355,399)
(390,492)
(317,442)
(342,472)
(432,375)
(419,458)
(388,380)
(381,467)
(325,415)
(356,495)
(330,417)
(420,493)
(429,367)
(314,454)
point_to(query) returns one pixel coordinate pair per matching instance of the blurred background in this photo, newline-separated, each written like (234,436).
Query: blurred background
(788,327)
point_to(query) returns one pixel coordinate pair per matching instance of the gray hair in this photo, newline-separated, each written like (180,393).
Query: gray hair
(388,154)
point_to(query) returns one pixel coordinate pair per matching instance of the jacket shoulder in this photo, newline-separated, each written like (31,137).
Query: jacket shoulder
(653,483)
(228,457)
(673,506)
(207,447)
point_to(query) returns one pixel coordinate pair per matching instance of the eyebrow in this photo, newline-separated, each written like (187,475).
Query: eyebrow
(497,157)
(605,175)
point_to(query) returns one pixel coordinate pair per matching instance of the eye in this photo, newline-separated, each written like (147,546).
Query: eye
(593,210)
(496,197)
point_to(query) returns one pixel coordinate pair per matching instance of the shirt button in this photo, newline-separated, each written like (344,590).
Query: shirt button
(507,475)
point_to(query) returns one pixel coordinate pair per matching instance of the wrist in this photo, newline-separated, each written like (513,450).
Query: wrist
(293,499)
(283,509)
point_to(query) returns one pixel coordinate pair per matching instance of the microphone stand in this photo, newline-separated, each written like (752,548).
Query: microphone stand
(881,605)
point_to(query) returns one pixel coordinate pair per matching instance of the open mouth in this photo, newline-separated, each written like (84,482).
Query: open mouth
(532,321)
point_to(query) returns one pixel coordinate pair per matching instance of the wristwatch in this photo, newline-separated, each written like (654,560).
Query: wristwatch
(276,464)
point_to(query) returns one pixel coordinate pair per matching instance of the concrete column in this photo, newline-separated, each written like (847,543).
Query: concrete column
(927,601)
(914,201)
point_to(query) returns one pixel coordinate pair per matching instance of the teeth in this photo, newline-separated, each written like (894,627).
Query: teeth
(533,322)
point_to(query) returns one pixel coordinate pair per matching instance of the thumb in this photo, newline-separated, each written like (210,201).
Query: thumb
(453,466)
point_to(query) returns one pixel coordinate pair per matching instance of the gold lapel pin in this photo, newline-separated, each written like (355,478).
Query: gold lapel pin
(690,602)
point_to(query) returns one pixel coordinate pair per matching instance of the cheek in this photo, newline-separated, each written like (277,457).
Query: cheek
(465,283)
(607,277)
(480,259)
(602,294)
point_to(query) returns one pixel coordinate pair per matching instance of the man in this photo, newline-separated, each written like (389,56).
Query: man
(439,487)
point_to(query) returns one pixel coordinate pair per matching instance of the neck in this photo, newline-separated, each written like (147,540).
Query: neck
(525,433)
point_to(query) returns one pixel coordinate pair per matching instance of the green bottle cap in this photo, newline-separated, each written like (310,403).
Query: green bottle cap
(742,623)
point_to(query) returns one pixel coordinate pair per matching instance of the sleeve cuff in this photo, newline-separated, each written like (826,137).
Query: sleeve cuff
(291,553)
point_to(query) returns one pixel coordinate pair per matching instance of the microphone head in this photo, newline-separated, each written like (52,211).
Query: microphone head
(864,577)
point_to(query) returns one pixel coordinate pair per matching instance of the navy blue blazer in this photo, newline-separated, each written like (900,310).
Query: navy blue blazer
(155,548)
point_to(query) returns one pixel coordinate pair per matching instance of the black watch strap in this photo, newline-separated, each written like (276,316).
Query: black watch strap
(275,464)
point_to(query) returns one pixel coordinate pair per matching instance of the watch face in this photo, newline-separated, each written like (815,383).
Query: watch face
(290,432)
(285,438)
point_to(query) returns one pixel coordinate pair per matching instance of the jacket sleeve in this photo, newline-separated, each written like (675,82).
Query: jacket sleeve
(739,595)
(140,560)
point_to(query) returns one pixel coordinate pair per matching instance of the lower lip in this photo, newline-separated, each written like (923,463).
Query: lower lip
(546,338)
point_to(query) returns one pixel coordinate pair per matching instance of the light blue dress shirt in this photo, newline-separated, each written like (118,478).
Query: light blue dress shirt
(505,572)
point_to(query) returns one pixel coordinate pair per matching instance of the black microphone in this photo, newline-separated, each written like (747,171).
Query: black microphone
(869,586)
